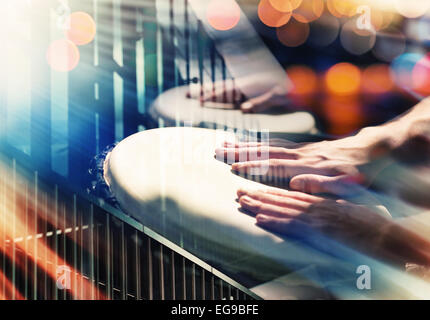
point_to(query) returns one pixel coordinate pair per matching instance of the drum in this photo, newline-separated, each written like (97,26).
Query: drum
(169,180)
(174,108)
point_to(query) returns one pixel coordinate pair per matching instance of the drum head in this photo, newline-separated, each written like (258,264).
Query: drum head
(174,108)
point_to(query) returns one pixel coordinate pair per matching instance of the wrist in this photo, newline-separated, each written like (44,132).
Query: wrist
(384,138)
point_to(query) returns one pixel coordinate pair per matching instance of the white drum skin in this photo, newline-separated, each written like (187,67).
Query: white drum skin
(174,108)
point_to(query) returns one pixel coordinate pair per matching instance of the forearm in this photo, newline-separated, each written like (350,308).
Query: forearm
(404,245)
(396,132)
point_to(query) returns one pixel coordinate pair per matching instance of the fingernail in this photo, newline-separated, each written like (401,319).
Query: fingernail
(297,184)
(236,166)
(261,219)
(247,200)
(242,191)
(246,106)
(219,152)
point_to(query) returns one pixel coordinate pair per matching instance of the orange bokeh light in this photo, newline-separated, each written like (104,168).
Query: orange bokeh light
(309,11)
(82,28)
(63,55)
(223,15)
(332,9)
(377,79)
(293,34)
(346,8)
(343,115)
(304,80)
(421,76)
(343,79)
(285,5)
(270,16)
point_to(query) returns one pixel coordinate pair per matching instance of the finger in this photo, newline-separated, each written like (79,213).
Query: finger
(239,144)
(292,199)
(279,168)
(258,104)
(258,207)
(254,153)
(220,91)
(272,143)
(311,183)
(285,226)
(296,195)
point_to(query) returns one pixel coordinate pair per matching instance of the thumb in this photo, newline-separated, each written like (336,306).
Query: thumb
(258,104)
(310,183)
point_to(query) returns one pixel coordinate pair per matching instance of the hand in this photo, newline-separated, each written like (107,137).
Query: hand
(321,167)
(303,216)
(226,92)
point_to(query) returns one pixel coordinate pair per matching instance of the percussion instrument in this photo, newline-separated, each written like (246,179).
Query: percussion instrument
(169,180)
(237,61)
(173,107)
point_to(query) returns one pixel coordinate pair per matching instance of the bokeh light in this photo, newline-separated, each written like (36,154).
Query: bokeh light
(332,9)
(412,8)
(343,79)
(402,67)
(344,115)
(305,84)
(82,28)
(356,41)
(293,34)
(388,46)
(304,79)
(381,19)
(346,8)
(419,29)
(285,5)
(270,16)
(63,55)
(421,76)
(376,79)
(223,15)
(309,11)
(324,31)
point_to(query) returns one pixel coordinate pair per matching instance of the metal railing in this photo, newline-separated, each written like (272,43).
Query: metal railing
(57,244)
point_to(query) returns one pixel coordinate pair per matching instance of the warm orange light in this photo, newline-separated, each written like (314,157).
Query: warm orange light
(82,28)
(309,11)
(346,8)
(332,9)
(63,55)
(377,79)
(343,79)
(421,76)
(293,34)
(223,15)
(304,80)
(14,225)
(285,5)
(343,115)
(270,16)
